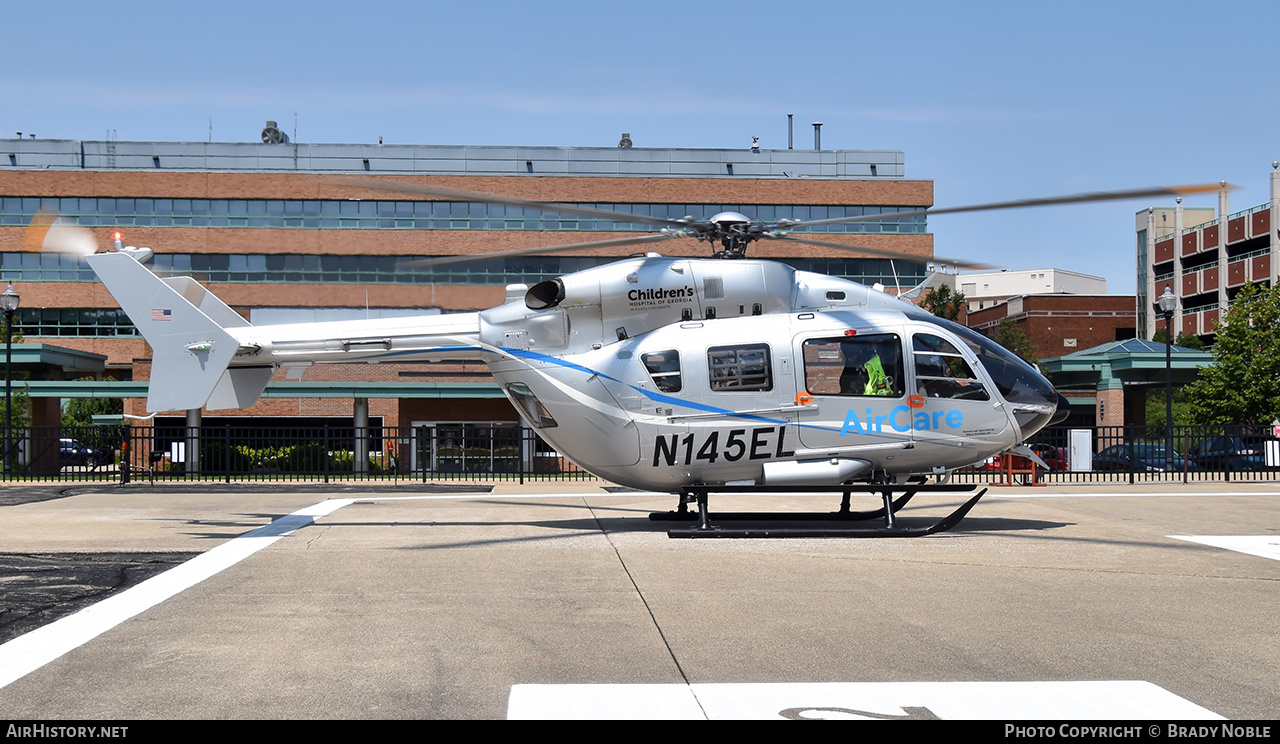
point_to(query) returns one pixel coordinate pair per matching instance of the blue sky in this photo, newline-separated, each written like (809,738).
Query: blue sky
(992,101)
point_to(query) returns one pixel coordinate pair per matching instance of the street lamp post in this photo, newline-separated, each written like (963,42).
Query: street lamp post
(1166,304)
(9,300)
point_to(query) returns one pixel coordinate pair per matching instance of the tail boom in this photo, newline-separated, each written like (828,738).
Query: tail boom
(204,354)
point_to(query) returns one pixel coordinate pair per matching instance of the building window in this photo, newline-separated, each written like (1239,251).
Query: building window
(423,215)
(73,322)
(254,268)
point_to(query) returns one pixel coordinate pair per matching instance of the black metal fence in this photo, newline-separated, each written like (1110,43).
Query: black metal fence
(243,452)
(316,454)
(1140,454)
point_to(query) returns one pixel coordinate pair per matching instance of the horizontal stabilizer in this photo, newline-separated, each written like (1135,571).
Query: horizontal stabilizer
(239,387)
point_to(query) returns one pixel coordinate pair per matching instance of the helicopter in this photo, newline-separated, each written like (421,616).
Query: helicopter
(672,374)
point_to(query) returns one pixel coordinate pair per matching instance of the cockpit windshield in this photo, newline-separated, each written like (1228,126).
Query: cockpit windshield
(1017,381)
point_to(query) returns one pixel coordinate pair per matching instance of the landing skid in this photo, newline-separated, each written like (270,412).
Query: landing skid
(830,520)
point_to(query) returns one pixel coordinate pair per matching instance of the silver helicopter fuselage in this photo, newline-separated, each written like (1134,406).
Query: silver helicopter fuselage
(654,372)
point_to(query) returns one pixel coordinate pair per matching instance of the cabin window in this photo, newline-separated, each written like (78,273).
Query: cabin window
(745,367)
(664,368)
(941,372)
(869,365)
(534,412)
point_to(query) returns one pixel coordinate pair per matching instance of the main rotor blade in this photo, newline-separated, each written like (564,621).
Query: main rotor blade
(541,251)
(1095,196)
(511,201)
(883,253)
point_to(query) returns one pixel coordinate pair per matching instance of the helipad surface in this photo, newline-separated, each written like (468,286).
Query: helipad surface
(551,602)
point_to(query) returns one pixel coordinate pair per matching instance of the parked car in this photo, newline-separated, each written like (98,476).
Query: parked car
(1230,453)
(1054,457)
(71,452)
(1141,457)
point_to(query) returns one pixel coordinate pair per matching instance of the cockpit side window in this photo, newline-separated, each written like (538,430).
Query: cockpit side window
(1016,381)
(942,372)
(868,365)
(745,367)
(664,368)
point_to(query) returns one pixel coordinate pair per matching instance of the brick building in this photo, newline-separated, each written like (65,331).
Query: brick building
(1064,324)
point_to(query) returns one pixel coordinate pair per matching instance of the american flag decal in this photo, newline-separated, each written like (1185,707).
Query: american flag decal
(158,314)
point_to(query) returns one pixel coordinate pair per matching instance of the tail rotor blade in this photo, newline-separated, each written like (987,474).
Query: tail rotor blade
(50,232)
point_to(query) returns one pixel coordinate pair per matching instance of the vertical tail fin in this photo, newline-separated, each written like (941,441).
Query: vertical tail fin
(190,351)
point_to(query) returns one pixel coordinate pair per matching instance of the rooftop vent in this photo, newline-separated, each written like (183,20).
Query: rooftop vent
(271,135)
(625,142)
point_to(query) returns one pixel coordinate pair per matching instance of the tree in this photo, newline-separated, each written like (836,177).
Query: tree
(1155,401)
(1155,406)
(17,329)
(80,411)
(1184,340)
(21,407)
(942,302)
(1243,384)
(1013,338)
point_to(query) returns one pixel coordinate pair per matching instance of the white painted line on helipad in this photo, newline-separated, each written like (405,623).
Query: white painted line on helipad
(30,651)
(604,702)
(1076,700)
(1263,546)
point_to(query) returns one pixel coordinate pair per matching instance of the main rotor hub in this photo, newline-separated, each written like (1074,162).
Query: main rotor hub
(734,230)
(729,218)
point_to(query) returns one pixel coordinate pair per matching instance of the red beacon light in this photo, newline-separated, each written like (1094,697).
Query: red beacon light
(141,255)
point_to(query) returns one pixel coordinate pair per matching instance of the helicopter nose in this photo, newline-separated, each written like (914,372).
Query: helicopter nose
(1064,410)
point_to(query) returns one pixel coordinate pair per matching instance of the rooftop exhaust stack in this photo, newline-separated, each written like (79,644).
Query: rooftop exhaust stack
(625,142)
(790,122)
(817,135)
